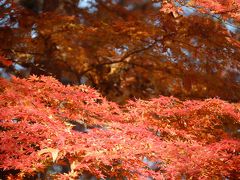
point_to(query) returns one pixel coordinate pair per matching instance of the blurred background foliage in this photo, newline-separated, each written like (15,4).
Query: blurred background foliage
(124,48)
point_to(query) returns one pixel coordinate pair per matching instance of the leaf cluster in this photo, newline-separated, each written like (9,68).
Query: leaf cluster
(56,131)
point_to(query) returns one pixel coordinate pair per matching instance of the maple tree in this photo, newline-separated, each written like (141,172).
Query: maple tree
(161,138)
(126,49)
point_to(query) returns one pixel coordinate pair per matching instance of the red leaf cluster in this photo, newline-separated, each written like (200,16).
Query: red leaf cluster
(44,124)
(5,62)
(226,8)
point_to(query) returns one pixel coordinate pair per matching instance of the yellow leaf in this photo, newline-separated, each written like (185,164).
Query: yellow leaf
(74,165)
(54,152)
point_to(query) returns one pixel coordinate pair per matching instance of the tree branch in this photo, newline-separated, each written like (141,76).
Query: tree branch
(122,59)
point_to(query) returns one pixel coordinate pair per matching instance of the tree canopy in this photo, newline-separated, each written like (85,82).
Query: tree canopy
(127,49)
(71,132)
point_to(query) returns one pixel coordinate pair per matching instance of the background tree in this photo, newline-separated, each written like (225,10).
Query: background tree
(126,48)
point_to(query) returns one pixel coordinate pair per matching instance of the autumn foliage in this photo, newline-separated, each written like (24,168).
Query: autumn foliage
(128,49)
(119,89)
(44,123)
